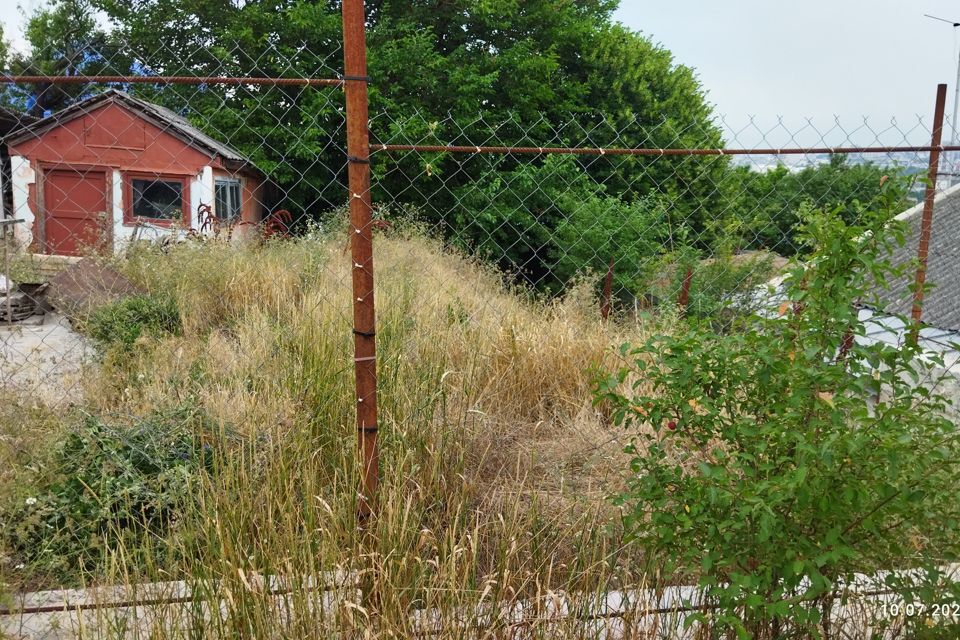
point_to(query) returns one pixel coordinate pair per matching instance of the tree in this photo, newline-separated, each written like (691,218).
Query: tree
(551,222)
(769,202)
(64,39)
(443,71)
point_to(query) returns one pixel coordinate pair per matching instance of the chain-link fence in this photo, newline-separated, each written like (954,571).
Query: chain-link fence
(551,202)
(188,269)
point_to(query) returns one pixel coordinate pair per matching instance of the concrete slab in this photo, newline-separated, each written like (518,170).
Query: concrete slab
(172,609)
(45,360)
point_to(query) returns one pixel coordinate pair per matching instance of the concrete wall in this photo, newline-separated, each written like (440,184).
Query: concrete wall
(22,180)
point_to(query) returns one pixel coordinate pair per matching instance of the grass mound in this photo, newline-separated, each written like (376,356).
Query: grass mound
(495,465)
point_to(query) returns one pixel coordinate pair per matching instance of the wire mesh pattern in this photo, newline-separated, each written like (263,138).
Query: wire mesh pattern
(150,150)
(217,179)
(550,204)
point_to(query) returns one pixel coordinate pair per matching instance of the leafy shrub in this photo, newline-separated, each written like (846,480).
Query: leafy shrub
(720,287)
(108,487)
(770,203)
(778,461)
(124,322)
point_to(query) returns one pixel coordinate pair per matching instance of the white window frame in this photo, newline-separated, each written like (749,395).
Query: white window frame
(227,182)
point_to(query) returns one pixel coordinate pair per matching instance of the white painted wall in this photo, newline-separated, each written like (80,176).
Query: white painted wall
(201,192)
(120,233)
(22,176)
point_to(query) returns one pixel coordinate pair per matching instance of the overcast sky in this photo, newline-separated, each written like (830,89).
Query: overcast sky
(811,59)
(12,19)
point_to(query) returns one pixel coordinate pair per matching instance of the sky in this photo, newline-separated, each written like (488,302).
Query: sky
(813,59)
(11,17)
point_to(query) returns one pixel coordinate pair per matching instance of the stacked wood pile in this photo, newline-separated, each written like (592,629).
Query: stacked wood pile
(19,305)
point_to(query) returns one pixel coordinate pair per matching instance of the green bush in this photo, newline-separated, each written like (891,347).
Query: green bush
(108,488)
(720,288)
(124,322)
(778,461)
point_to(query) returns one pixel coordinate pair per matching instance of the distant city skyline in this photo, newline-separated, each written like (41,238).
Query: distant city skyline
(853,59)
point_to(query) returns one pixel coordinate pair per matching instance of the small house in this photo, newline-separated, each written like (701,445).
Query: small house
(112,167)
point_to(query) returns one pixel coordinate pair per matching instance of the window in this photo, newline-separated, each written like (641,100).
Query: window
(227,205)
(160,199)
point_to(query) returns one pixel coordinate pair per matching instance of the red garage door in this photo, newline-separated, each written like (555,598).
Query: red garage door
(75,211)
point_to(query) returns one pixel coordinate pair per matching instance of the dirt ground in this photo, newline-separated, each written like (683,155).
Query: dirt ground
(44,358)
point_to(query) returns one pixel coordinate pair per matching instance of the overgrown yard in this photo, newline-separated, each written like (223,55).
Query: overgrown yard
(217,439)
(771,459)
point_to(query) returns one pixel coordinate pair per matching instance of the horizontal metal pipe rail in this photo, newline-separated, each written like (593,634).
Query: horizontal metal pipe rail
(638,612)
(228,80)
(599,151)
(206,595)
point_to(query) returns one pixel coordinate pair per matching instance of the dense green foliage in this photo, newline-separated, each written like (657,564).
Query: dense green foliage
(778,461)
(533,73)
(769,203)
(107,489)
(122,323)
(520,73)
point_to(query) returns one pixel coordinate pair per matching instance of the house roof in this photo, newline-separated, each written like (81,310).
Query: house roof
(167,120)
(11,120)
(941,305)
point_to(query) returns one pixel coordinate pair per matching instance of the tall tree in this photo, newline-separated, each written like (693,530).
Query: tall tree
(64,39)
(530,72)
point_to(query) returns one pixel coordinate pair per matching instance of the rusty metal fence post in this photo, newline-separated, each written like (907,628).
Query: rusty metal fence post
(361,245)
(606,303)
(683,300)
(926,223)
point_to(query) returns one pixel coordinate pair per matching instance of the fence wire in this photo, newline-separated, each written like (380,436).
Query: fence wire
(550,204)
(191,213)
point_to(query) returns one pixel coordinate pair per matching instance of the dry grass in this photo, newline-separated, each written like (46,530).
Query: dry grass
(266,346)
(496,466)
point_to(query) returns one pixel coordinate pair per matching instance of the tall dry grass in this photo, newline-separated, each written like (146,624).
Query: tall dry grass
(496,466)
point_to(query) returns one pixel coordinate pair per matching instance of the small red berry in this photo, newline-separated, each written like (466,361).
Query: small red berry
(672,425)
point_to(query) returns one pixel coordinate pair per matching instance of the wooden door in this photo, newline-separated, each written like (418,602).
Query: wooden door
(76,218)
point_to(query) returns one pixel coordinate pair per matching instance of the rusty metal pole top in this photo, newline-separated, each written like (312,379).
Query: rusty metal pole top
(926,222)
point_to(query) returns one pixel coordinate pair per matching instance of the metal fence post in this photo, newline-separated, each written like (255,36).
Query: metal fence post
(361,245)
(683,300)
(606,303)
(926,222)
